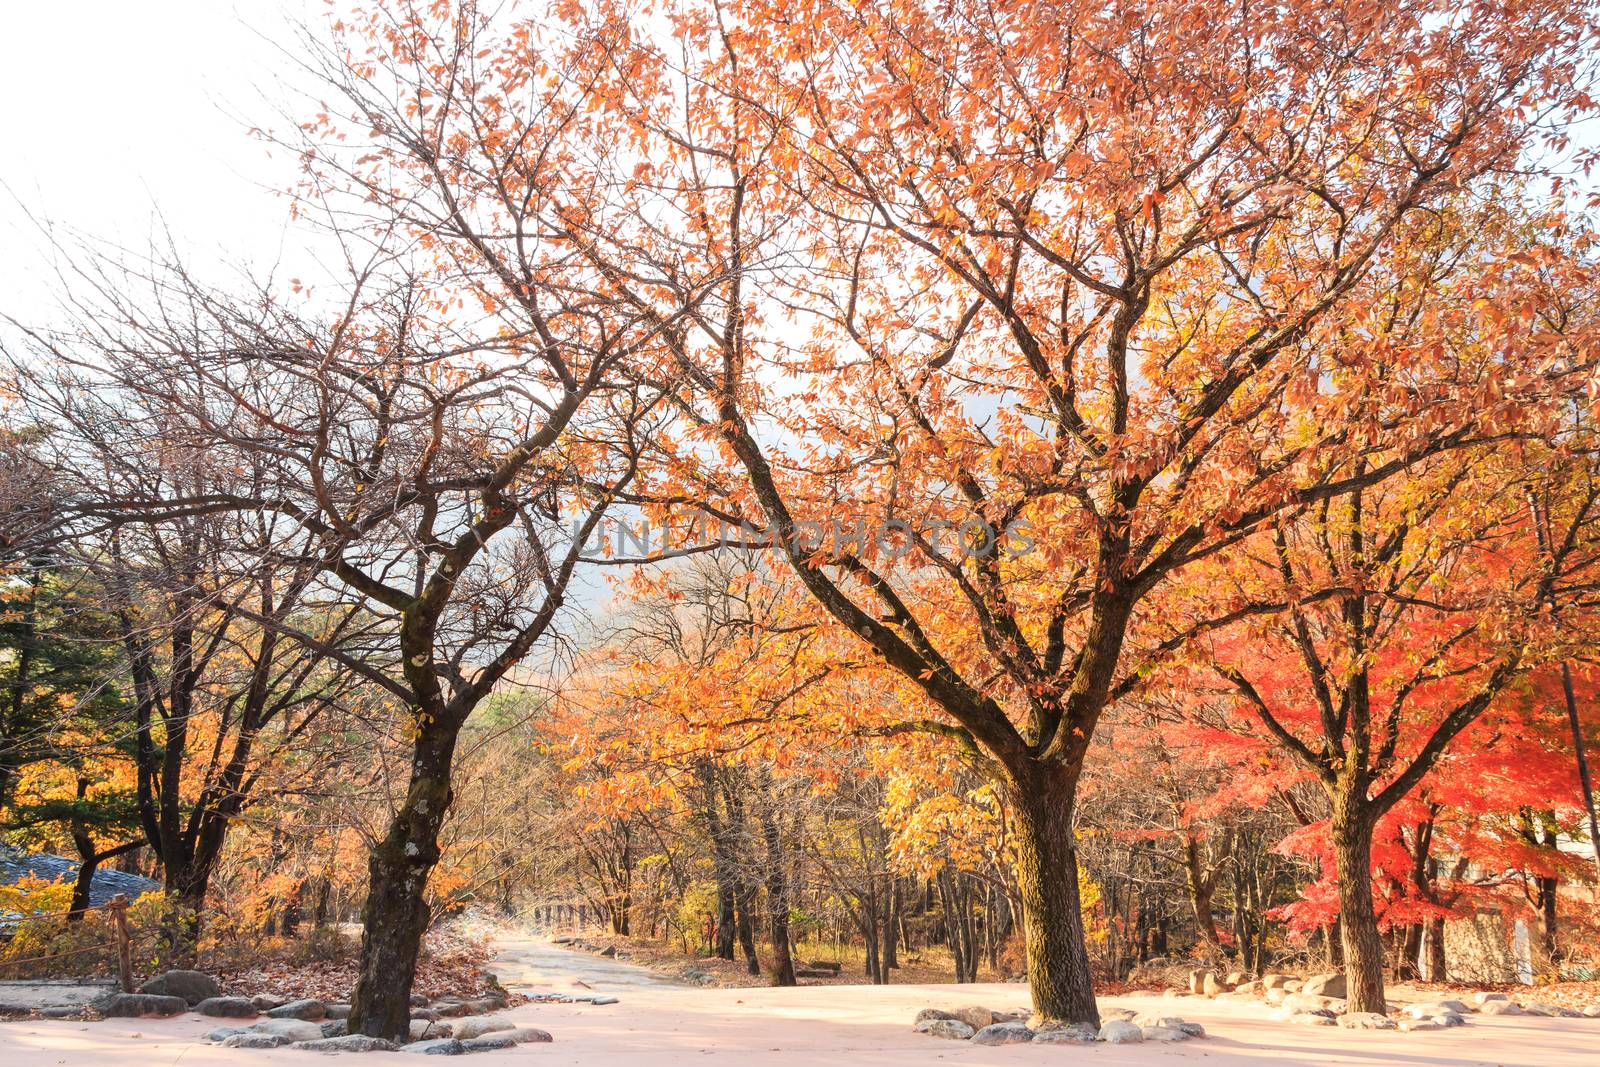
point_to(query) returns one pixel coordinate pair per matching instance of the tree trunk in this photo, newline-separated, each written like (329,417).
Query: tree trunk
(777,896)
(1585,783)
(1436,961)
(395,915)
(1358,922)
(1052,916)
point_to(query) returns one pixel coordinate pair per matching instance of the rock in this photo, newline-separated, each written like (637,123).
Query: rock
(1211,985)
(1197,981)
(1121,1015)
(478,1025)
(1550,1011)
(1311,1002)
(488,1044)
(1150,1018)
(424,1013)
(1065,1034)
(337,1011)
(1192,1029)
(524,1035)
(288,1029)
(931,1013)
(1007,1033)
(1164,1033)
(135,1005)
(1456,1006)
(1312,1018)
(226,1008)
(1251,989)
(422,1029)
(1592,1012)
(976,1016)
(950,1029)
(609,951)
(1500,1007)
(1480,999)
(224,1032)
(1274,981)
(306,1010)
(449,1008)
(1428,1009)
(267,1001)
(1413,1025)
(192,986)
(1277,995)
(1235,979)
(439,1046)
(418,1000)
(348,1043)
(602,1001)
(1293,985)
(334,1027)
(1118,1032)
(1365,1020)
(1450,1018)
(1325,985)
(249,1040)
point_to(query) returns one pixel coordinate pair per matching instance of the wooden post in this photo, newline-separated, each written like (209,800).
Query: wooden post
(118,907)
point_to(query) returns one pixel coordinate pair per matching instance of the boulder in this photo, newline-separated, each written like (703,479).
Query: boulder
(1118,1032)
(1456,1006)
(347,1043)
(1325,985)
(423,1029)
(1065,1034)
(949,1029)
(1235,979)
(1277,995)
(1428,1009)
(222,1033)
(1150,1018)
(337,1011)
(450,1008)
(1312,1018)
(249,1040)
(525,1035)
(477,1025)
(1413,1025)
(1163,1033)
(489,1043)
(1450,1018)
(1592,1012)
(288,1029)
(1123,1015)
(306,1010)
(267,1001)
(1007,1033)
(1293,985)
(1192,1029)
(439,1046)
(1211,985)
(135,1005)
(418,1000)
(192,986)
(1252,989)
(931,1013)
(334,1027)
(1365,1020)
(1480,999)
(1273,981)
(976,1016)
(1197,981)
(1500,1007)
(1550,1011)
(226,1008)
(1311,1002)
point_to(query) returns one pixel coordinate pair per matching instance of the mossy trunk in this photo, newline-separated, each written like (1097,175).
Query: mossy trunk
(395,916)
(1052,915)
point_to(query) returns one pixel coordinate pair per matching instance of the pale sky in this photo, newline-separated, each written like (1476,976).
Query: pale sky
(115,109)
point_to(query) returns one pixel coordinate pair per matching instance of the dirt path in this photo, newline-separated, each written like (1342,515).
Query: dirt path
(530,964)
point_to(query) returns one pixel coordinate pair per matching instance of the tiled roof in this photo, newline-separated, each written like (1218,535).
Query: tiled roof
(14,866)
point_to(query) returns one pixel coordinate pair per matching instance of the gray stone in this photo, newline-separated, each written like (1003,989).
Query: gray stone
(267,1001)
(1274,981)
(226,1007)
(601,1001)
(1252,989)
(1592,1012)
(931,1013)
(337,1011)
(1235,979)
(1211,985)
(347,1043)
(451,1008)
(1312,1018)
(1365,1020)
(334,1027)
(1164,1033)
(1192,1029)
(192,986)
(1277,995)
(289,1029)
(1121,1015)
(134,1005)
(1428,1009)
(1118,1032)
(489,1043)
(1450,1018)
(222,1033)
(949,1029)
(1293,985)
(423,1029)
(1312,1002)
(1500,1007)
(1331,984)
(306,1010)
(1550,1011)
(1459,1007)
(1008,1033)
(439,1046)
(418,1000)
(477,1025)
(525,1035)
(1481,999)
(1197,982)
(1413,1025)
(1066,1034)
(249,1040)
(1150,1018)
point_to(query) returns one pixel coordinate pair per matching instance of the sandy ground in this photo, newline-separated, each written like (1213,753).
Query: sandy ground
(662,1025)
